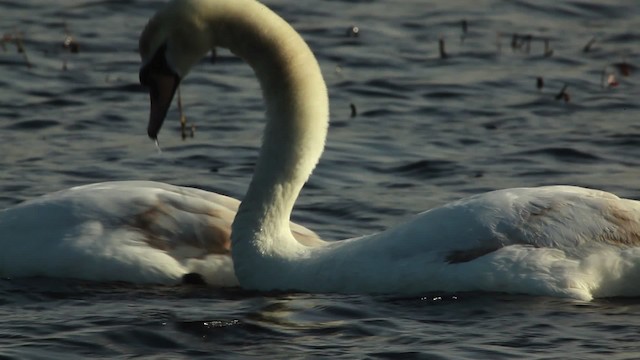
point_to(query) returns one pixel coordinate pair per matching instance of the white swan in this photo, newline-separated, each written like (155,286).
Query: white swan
(134,231)
(554,240)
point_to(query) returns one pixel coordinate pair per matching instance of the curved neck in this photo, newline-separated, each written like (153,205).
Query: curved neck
(297,111)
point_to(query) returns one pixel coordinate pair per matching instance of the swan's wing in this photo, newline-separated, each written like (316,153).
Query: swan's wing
(171,218)
(569,218)
(225,209)
(560,241)
(130,231)
(223,212)
(137,231)
(573,219)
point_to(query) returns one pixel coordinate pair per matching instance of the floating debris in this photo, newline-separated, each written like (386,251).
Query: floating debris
(539,82)
(608,79)
(5,39)
(353,31)
(587,47)
(527,40)
(563,94)
(70,44)
(16,39)
(22,50)
(515,43)
(624,68)
(443,53)
(354,112)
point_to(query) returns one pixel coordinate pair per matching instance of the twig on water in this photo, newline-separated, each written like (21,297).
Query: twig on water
(354,111)
(17,39)
(515,42)
(587,47)
(465,28)
(443,53)
(563,94)
(527,40)
(548,51)
(5,39)
(70,42)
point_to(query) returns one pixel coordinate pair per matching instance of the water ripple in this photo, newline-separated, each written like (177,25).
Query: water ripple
(30,125)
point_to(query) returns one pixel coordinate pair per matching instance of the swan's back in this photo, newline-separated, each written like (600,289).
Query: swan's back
(130,231)
(569,218)
(135,231)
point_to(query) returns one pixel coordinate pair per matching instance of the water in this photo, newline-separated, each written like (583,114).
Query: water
(427,130)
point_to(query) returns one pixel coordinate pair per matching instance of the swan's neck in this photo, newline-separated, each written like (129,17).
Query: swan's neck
(297,119)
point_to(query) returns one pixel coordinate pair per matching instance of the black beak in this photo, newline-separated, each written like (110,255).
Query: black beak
(162,82)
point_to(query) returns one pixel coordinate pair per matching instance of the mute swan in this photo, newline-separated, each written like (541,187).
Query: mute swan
(555,240)
(134,231)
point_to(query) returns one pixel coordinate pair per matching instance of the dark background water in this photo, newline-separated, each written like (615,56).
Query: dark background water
(427,131)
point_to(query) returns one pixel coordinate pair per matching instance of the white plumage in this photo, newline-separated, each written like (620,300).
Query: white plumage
(558,240)
(135,231)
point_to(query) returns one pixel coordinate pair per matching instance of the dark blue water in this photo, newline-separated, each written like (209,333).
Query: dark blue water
(428,130)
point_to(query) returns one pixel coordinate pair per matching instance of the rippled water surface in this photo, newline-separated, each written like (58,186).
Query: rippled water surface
(427,130)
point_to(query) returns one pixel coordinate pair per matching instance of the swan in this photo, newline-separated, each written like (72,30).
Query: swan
(135,231)
(562,241)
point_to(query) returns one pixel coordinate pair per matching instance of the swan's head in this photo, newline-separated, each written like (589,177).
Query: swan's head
(174,40)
